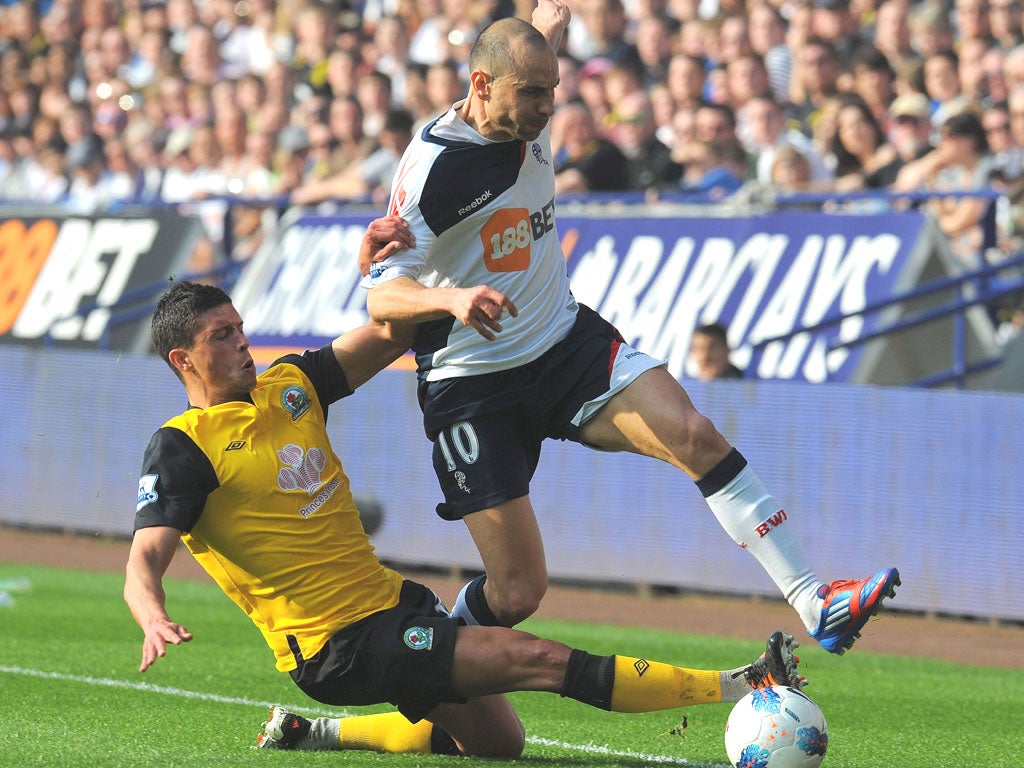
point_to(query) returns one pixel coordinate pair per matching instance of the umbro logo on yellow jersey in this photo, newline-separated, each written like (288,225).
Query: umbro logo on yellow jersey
(235,445)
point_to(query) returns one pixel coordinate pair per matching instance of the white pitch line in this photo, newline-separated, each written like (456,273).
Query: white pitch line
(593,749)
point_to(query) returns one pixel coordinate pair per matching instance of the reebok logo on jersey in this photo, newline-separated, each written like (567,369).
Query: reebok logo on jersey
(483,198)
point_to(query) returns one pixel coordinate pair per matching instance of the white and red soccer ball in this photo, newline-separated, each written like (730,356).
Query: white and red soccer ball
(776,728)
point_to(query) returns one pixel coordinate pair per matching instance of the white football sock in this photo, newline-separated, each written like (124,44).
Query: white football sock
(757,522)
(461,610)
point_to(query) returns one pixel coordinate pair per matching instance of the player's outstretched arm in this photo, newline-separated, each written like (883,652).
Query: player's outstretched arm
(370,348)
(151,553)
(403,300)
(550,18)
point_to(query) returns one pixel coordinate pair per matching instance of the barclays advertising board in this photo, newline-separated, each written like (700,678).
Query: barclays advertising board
(655,278)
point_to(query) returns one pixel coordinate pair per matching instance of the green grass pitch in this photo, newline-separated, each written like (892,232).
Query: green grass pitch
(71,695)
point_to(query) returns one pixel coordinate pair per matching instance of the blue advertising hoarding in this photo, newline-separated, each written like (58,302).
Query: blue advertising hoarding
(655,277)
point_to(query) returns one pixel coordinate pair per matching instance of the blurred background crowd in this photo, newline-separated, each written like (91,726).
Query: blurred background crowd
(305,102)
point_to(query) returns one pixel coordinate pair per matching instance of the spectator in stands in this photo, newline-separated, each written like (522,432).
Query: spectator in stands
(1013,67)
(942,85)
(732,40)
(768,40)
(568,88)
(293,158)
(443,87)
(714,170)
(1004,129)
(622,78)
(833,22)
(201,62)
(817,78)
(179,180)
(124,173)
(92,188)
(892,34)
(1006,23)
(715,122)
(685,81)
(584,161)
(931,30)
(874,81)
(960,162)
(349,143)
(374,95)
(696,38)
(768,136)
(746,76)
(994,63)
(654,48)
(649,164)
(598,30)
(996,122)
(342,72)
(971,70)
(446,30)
(910,126)
(863,157)
(315,27)
(415,99)
(791,171)
(141,141)
(971,18)
(709,353)
(388,53)
(591,88)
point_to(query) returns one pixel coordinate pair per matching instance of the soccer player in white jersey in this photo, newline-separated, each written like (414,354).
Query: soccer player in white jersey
(507,357)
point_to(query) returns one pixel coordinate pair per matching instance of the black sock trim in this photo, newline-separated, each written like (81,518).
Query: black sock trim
(723,473)
(589,679)
(441,743)
(476,601)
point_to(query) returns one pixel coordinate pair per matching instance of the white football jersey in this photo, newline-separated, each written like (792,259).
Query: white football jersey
(482,213)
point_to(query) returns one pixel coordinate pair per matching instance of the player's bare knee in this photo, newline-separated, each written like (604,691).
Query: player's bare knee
(504,737)
(694,436)
(508,744)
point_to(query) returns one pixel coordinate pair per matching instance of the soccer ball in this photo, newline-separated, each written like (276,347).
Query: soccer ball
(776,728)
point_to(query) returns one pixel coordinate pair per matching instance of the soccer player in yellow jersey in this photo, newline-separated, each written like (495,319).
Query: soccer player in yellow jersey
(248,479)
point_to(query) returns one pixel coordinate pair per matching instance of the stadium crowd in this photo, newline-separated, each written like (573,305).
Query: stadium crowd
(106,102)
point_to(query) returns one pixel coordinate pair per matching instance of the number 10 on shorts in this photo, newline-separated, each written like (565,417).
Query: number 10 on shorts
(461,438)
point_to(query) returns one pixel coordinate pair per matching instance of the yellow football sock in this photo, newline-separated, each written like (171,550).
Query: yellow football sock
(385,732)
(647,686)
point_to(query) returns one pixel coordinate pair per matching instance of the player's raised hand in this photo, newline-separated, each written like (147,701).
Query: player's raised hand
(481,308)
(384,236)
(550,18)
(158,635)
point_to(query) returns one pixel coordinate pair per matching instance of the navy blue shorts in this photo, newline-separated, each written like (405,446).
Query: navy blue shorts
(402,656)
(488,429)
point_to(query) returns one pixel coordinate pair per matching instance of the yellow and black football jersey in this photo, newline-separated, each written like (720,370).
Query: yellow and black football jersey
(264,505)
